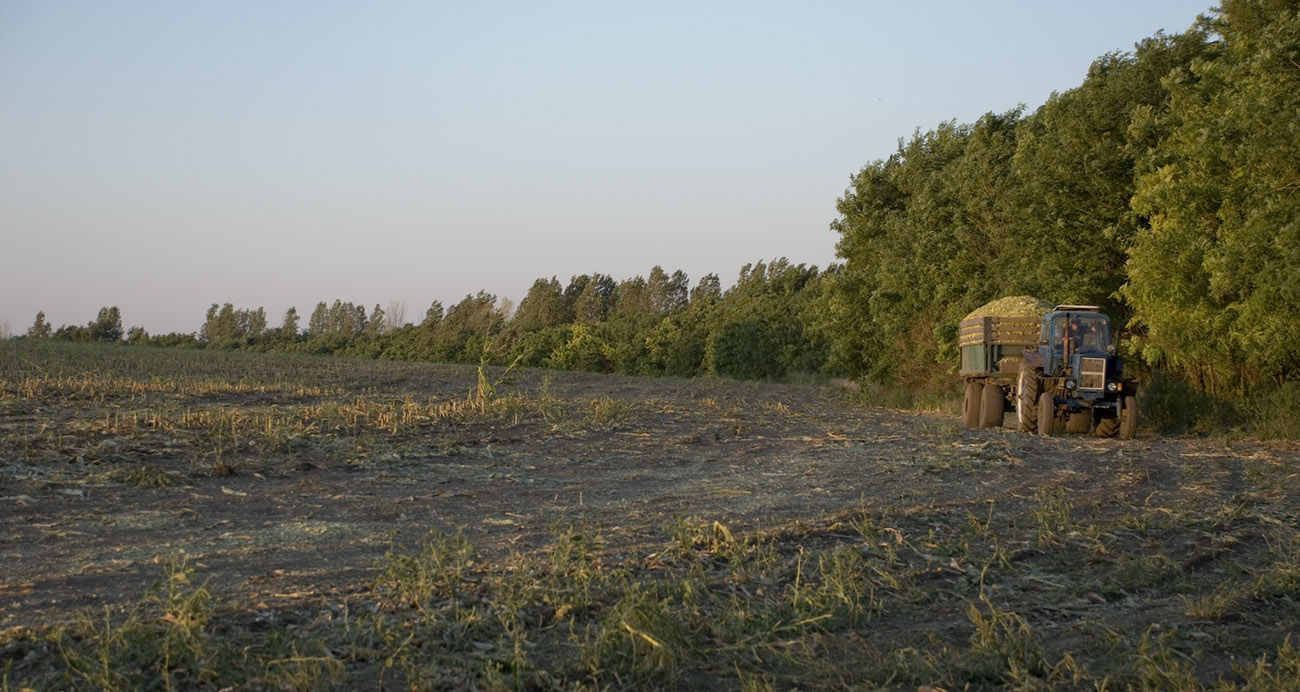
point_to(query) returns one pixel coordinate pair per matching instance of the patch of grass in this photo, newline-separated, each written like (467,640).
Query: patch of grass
(161,641)
(1052,514)
(144,476)
(607,412)
(1272,413)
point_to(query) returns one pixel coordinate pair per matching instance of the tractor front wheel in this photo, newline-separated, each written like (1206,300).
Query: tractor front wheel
(1128,418)
(1046,413)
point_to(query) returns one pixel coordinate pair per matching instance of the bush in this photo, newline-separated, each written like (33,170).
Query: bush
(1272,412)
(745,350)
(1171,405)
(583,351)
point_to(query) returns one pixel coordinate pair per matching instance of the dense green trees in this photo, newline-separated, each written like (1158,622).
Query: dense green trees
(1166,188)
(227,327)
(592,297)
(107,326)
(1215,281)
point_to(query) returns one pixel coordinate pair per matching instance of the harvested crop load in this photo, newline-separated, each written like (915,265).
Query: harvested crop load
(1013,306)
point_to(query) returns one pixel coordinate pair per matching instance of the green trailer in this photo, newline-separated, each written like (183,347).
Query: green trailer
(992,349)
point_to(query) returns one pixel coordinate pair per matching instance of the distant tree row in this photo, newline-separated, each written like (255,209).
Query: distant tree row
(107,326)
(758,328)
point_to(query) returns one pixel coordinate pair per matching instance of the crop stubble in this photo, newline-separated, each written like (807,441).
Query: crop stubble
(286,481)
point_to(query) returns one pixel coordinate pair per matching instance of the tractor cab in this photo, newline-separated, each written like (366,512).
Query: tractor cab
(1075,345)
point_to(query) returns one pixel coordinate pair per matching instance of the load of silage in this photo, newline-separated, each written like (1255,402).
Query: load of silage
(1013,306)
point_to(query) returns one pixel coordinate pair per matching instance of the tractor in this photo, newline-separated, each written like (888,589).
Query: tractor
(1057,367)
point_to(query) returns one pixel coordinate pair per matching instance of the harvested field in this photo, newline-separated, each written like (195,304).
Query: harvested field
(215,520)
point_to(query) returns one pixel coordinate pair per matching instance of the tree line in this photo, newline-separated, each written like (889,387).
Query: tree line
(1165,188)
(656,325)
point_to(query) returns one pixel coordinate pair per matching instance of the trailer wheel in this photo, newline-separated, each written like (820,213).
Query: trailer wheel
(1046,413)
(1079,423)
(1107,427)
(1128,418)
(1027,386)
(970,408)
(992,406)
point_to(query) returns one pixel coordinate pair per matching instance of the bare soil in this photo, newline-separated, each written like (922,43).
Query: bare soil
(632,455)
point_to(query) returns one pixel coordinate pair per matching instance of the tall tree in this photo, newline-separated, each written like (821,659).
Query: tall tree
(466,329)
(318,324)
(289,327)
(1076,159)
(107,326)
(40,329)
(666,293)
(377,323)
(543,307)
(594,300)
(255,322)
(433,315)
(395,315)
(707,292)
(632,298)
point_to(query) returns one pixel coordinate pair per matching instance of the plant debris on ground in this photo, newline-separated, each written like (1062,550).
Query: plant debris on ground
(191,520)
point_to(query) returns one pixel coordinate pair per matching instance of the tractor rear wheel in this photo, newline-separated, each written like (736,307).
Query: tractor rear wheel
(1128,418)
(1107,427)
(1027,386)
(1046,413)
(992,406)
(970,407)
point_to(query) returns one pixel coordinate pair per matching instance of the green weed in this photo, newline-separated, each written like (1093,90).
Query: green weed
(607,412)
(163,641)
(144,476)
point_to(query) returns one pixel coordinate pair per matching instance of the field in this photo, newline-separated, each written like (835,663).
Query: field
(177,519)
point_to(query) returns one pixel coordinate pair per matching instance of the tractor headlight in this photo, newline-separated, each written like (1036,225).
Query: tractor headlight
(1112,386)
(1069,384)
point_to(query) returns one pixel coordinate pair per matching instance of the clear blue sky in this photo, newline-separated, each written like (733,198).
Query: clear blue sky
(163,156)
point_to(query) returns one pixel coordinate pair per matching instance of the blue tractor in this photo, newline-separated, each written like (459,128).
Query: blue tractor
(1075,372)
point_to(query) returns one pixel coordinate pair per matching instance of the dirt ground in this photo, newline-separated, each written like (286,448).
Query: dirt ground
(639,455)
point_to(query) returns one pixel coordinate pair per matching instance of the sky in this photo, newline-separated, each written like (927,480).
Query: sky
(163,156)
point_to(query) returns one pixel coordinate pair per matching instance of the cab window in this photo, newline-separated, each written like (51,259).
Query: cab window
(1093,334)
(1058,329)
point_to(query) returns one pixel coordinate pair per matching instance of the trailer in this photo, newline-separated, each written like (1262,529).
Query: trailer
(992,350)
